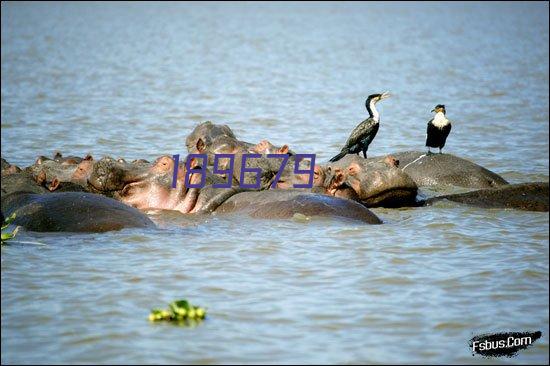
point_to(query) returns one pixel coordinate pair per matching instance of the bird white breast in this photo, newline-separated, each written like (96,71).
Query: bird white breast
(440,120)
(375,114)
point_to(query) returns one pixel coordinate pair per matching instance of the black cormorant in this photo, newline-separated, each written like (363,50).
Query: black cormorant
(439,128)
(364,133)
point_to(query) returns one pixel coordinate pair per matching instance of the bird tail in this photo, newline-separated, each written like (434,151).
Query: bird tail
(339,156)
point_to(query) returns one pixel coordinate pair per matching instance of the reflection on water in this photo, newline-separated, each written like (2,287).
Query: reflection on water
(132,80)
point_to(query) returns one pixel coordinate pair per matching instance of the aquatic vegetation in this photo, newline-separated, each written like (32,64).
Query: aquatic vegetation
(180,311)
(7,236)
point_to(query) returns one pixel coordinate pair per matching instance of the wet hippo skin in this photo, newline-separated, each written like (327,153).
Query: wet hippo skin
(523,196)
(71,212)
(283,204)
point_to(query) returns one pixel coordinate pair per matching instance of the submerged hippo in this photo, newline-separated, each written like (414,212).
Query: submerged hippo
(446,169)
(284,204)
(523,196)
(63,174)
(20,181)
(71,212)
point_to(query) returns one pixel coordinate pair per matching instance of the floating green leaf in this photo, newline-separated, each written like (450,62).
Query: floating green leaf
(179,311)
(8,236)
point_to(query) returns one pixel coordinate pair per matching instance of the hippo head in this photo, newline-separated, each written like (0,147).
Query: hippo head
(8,168)
(62,174)
(145,185)
(266,147)
(83,170)
(374,182)
(109,175)
(204,134)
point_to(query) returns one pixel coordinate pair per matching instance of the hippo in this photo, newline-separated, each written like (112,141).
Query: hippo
(204,134)
(63,174)
(71,212)
(284,204)
(148,186)
(8,168)
(446,170)
(151,188)
(211,139)
(20,181)
(68,160)
(374,182)
(523,196)
(266,147)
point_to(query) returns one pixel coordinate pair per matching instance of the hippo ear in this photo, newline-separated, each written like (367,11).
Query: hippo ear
(260,147)
(200,145)
(13,169)
(194,163)
(88,157)
(391,161)
(57,155)
(40,159)
(283,150)
(54,185)
(41,177)
(353,169)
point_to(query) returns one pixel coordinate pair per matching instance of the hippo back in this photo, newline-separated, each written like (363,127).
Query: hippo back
(71,212)
(284,204)
(446,169)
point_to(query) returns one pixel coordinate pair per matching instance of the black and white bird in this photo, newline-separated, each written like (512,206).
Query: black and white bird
(364,133)
(439,128)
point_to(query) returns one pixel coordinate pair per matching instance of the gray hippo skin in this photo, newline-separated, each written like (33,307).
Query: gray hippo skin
(523,196)
(283,204)
(13,180)
(375,182)
(446,169)
(57,174)
(71,212)
(8,168)
(150,187)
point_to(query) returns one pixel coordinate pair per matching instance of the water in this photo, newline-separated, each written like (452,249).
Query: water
(132,80)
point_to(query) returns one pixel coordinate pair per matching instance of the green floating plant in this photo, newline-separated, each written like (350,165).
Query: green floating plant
(8,236)
(180,311)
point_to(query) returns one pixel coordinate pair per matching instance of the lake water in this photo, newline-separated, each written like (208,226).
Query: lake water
(132,80)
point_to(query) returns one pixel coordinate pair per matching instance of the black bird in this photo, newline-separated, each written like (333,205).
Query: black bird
(364,133)
(439,128)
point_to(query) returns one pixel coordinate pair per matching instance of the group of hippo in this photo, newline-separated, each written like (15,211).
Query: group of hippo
(80,194)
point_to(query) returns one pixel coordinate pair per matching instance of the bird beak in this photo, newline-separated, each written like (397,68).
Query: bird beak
(433,110)
(384,95)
